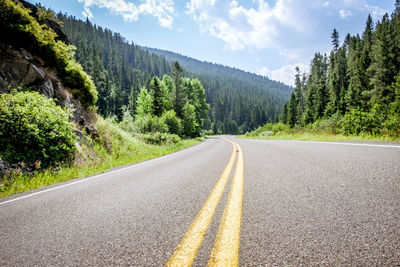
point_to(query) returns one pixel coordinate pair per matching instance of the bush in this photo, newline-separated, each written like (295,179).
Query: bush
(359,122)
(391,126)
(33,128)
(149,124)
(269,129)
(172,121)
(329,125)
(159,138)
(190,126)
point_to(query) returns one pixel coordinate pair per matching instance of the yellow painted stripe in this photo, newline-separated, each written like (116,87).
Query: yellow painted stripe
(186,252)
(226,247)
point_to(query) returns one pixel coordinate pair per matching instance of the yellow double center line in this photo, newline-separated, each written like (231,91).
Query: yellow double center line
(225,251)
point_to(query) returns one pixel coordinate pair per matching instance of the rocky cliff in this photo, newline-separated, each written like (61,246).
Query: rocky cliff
(22,68)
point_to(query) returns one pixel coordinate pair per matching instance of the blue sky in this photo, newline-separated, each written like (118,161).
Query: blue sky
(267,37)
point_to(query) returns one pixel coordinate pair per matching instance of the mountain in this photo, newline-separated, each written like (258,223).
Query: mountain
(240,101)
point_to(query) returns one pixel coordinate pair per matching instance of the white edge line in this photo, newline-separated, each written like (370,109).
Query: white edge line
(345,144)
(103,174)
(326,142)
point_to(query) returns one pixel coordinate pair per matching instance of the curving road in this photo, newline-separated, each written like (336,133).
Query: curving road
(302,203)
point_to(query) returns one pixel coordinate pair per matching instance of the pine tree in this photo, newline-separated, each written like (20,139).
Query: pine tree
(157,104)
(298,90)
(318,96)
(335,40)
(292,111)
(365,61)
(284,114)
(353,96)
(382,69)
(178,95)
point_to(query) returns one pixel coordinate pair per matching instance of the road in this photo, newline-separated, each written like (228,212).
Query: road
(291,203)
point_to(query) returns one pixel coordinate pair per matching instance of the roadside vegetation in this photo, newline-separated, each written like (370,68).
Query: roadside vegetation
(313,132)
(39,145)
(42,144)
(352,94)
(115,147)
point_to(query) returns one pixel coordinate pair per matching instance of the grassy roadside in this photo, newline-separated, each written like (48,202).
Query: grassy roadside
(115,148)
(305,136)
(323,130)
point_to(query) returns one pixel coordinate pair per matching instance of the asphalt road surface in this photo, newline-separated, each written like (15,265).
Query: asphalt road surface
(279,203)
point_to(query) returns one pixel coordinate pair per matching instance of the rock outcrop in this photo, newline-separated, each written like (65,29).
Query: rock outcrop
(19,68)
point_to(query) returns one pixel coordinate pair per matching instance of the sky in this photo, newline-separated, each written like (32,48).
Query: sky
(266,37)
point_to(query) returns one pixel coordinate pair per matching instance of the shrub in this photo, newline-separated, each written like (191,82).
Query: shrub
(391,126)
(269,129)
(33,128)
(190,126)
(172,121)
(359,122)
(160,138)
(148,124)
(329,125)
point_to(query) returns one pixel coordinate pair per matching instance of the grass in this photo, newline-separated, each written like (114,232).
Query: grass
(307,136)
(115,148)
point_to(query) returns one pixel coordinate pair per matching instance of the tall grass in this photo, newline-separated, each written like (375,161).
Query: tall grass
(114,148)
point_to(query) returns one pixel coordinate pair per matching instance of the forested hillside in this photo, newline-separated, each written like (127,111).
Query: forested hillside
(356,89)
(118,69)
(239,101)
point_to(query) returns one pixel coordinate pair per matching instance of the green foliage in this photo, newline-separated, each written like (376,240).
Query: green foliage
(149,124)
(178,95)
(157,97)
(46,15)
(359,122)
(166,87)
(16,21)
(233,94)
(33,128)
(190,126)
(159,138)
(331,125)
(357,91)
(119,69)
(269,129)
(143,103)
(115,147)
(173,122)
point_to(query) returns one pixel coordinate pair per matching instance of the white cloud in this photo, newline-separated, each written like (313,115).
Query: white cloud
(344,13)
(285,74)
(376,12)
(270,25)
(163,10)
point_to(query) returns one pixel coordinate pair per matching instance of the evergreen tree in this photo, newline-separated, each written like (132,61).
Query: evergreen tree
(178,95)
(382,69)
(335,40)
(284,115)
(292,111)
(298,90)
(353,96)
(157,105)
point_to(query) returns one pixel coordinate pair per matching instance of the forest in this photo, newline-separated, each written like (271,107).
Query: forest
(239,101)
(356,88)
